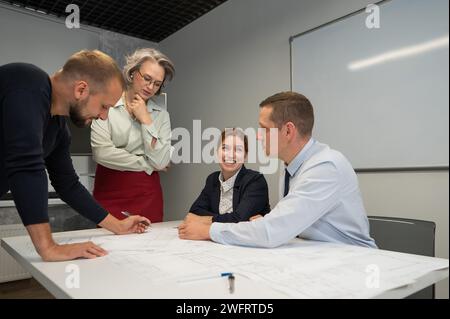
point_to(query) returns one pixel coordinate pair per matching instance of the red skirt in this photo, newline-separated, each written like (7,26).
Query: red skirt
(135,192)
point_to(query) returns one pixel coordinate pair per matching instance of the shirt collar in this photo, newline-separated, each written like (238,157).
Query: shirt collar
(298,160)
(150,104)
(229,183)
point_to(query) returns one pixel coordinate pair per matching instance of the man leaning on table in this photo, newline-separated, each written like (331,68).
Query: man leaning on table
(322,200)
(34,136)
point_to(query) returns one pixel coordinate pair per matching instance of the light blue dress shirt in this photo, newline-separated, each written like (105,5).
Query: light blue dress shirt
(324,203)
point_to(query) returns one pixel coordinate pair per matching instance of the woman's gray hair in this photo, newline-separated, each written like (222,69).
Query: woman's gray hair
(135,60)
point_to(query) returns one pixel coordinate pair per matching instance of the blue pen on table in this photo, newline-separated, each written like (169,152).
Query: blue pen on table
(231,279)
(204,277)
(129,214)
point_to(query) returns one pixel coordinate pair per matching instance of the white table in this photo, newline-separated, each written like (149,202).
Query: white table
(109,277)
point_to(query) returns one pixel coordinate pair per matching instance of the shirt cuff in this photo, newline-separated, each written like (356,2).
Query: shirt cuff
(151,129)
(215,232)
(145,166)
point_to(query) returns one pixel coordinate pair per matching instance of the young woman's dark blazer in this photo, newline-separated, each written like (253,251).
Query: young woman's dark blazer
(250,197)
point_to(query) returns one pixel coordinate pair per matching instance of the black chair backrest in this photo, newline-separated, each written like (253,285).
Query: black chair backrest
(407,236)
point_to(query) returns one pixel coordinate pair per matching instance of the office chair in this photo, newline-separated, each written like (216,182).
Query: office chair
(407,236)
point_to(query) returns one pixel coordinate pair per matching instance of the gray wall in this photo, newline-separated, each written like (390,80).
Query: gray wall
(238,54)
(43,40)
(227,62)
(46,42)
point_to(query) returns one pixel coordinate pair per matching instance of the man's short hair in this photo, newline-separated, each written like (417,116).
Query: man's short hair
(291,107)
(94,67)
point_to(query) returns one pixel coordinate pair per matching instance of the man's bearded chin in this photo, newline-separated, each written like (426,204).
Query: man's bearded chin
(75,115)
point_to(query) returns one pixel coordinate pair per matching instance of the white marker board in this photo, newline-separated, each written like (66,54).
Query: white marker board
(380,96)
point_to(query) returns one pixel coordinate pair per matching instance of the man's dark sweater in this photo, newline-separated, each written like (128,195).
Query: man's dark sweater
(31,140)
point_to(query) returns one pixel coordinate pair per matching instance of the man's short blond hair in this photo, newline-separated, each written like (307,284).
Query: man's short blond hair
(94,67)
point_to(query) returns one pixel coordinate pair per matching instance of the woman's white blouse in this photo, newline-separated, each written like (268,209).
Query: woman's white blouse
(124,144)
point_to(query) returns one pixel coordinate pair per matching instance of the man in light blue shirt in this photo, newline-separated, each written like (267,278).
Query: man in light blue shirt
(322,200)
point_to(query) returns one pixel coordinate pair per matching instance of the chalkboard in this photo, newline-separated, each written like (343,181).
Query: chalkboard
(380,95)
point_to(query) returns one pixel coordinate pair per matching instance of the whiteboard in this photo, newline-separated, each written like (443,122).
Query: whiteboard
(380,96)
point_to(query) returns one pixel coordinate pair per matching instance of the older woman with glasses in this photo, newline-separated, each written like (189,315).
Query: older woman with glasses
(133,144)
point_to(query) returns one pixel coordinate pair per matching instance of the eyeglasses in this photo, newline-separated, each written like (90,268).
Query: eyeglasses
(149,80)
